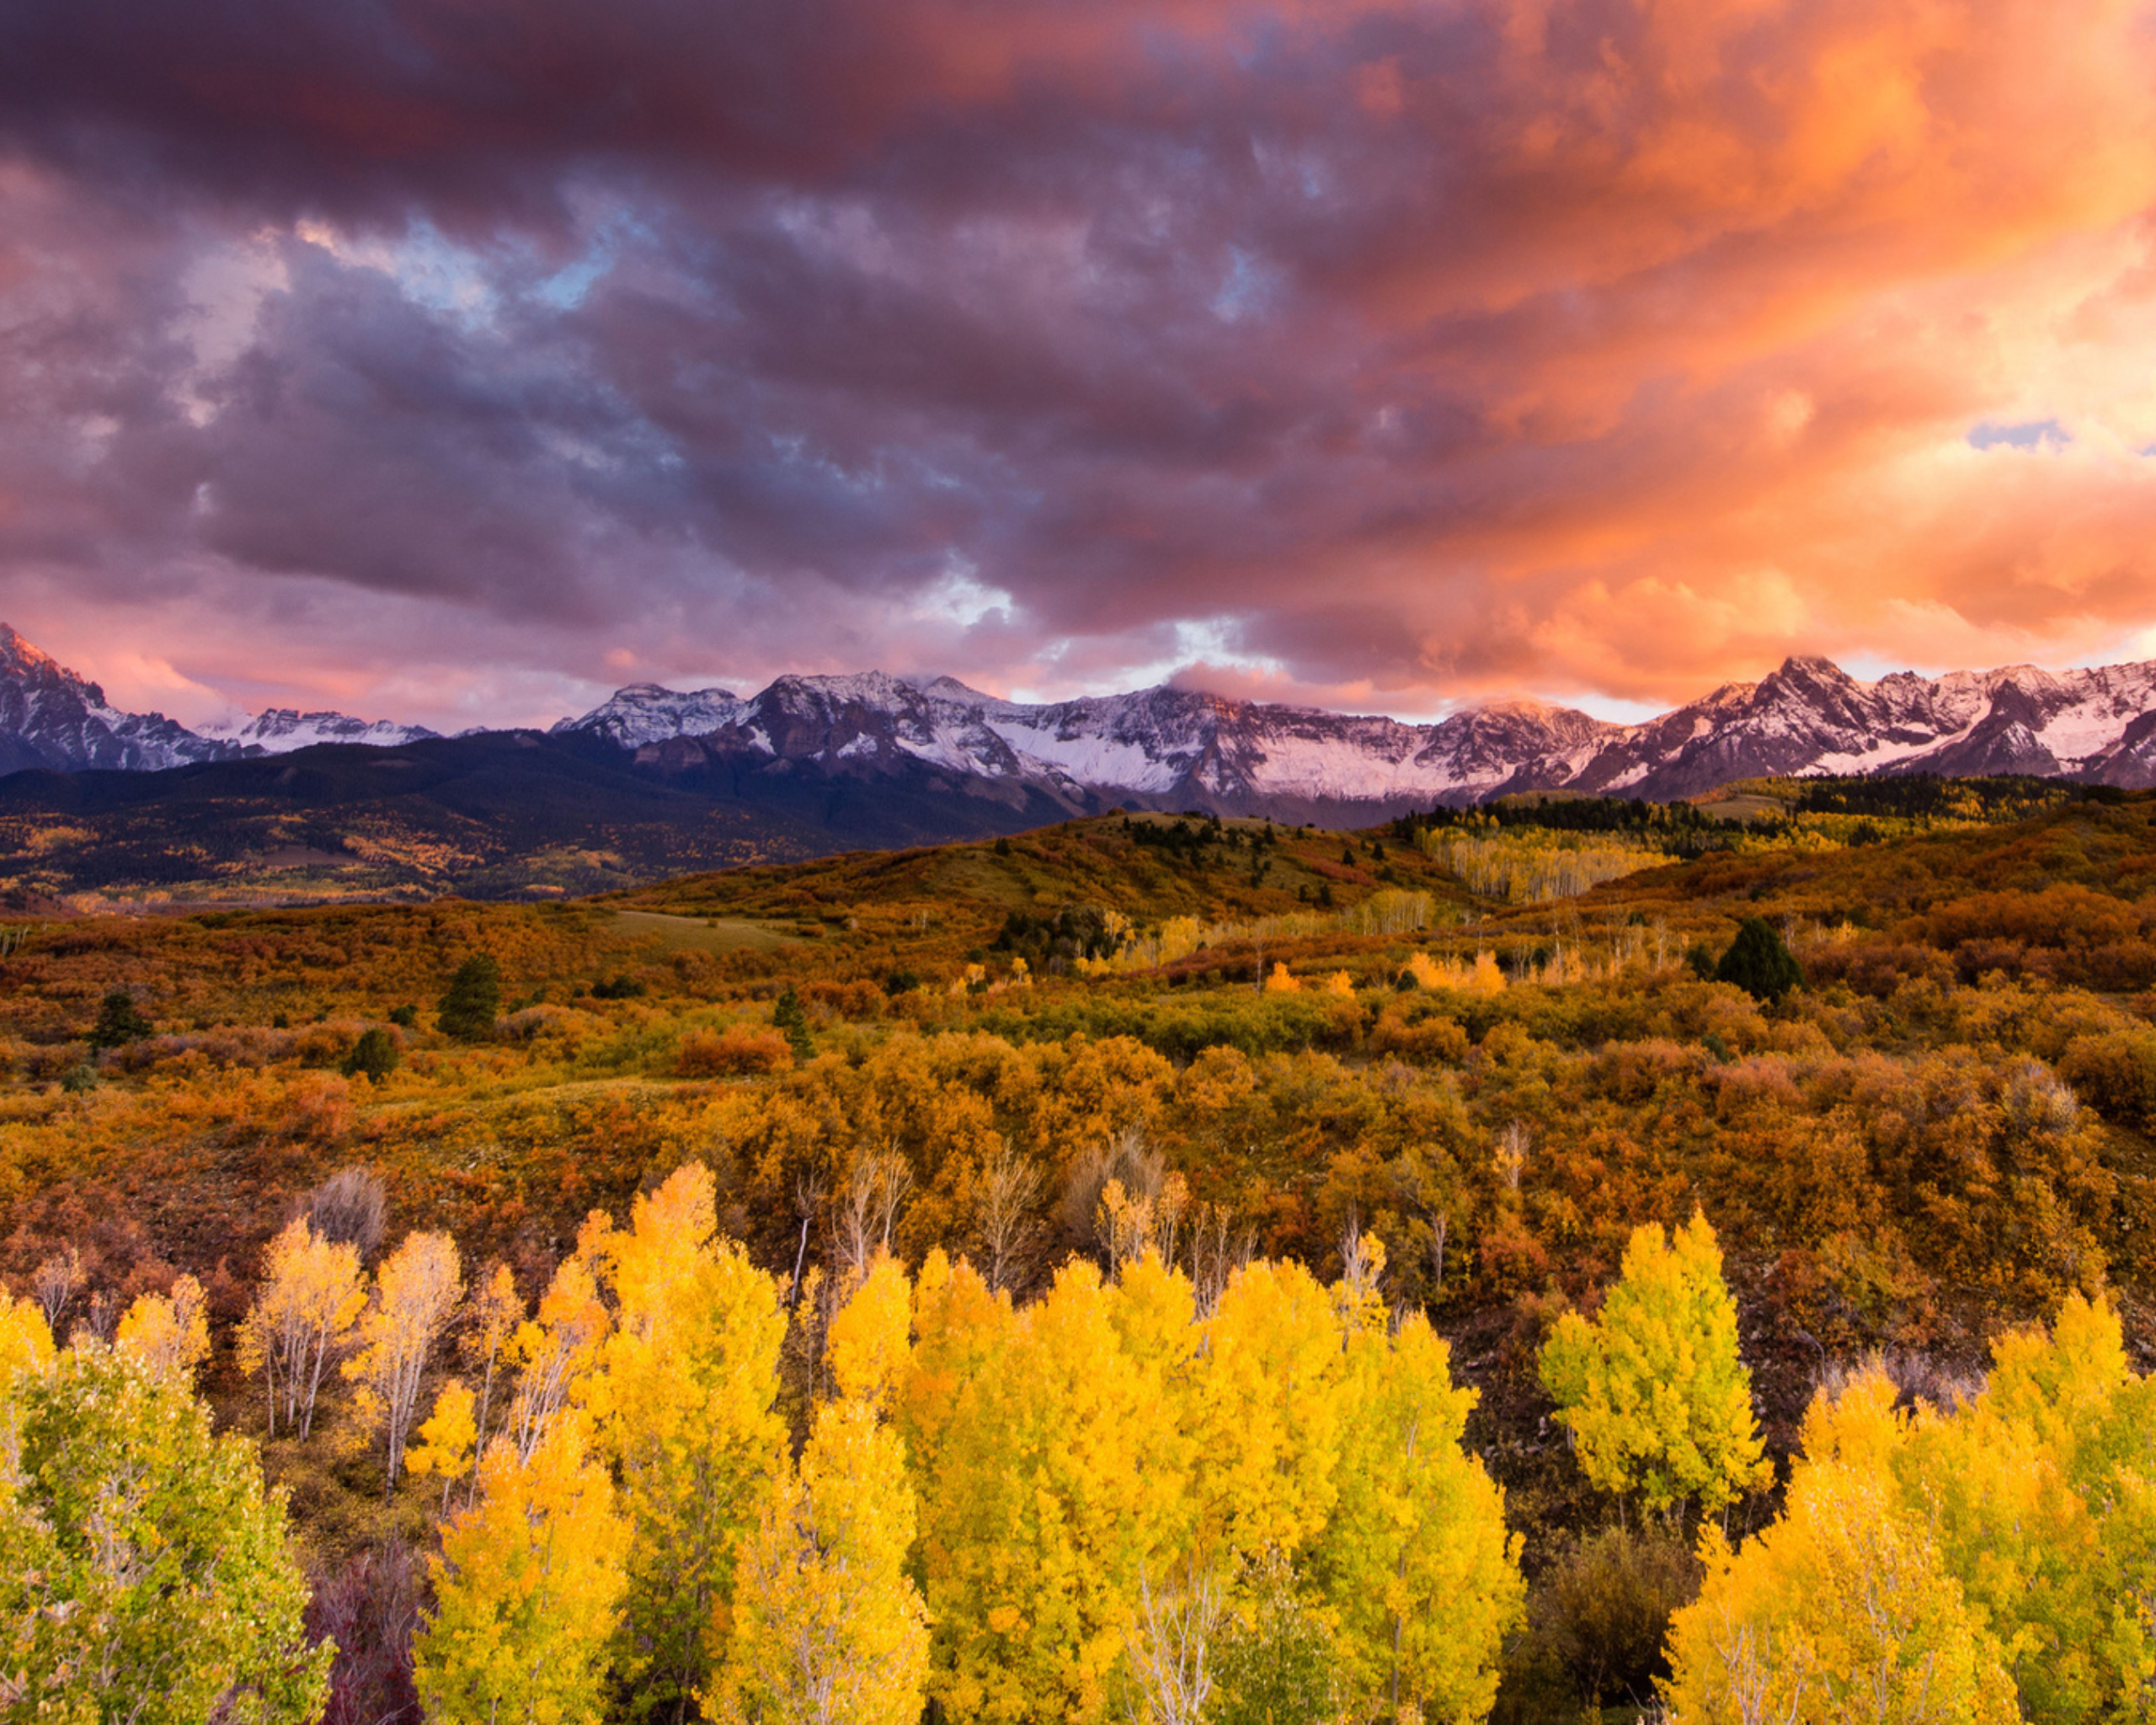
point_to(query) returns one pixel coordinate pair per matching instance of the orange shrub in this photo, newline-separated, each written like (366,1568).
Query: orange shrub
(1431,1038)
(736,1050)
(848,1000)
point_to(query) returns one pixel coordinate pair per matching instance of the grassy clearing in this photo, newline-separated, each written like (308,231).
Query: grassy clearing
(718,934)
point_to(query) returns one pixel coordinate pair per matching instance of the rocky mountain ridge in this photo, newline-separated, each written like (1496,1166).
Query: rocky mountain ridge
(52,719)
(1173,748)
(1170,748)
(279,730)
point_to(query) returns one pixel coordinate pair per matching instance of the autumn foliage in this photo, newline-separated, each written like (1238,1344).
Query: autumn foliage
(1160,1277)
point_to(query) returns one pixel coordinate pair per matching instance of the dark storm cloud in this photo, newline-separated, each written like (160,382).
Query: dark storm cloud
(1405,349)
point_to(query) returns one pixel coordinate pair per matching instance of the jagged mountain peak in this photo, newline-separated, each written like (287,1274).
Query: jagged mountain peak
(1171,746)
(1811,666)
(53,720)
(18,653)
(1175,747)
(279,730)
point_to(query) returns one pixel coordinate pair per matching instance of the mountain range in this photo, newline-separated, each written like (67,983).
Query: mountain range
(655,780)
(53,720)
(1173,748)
(1170,748)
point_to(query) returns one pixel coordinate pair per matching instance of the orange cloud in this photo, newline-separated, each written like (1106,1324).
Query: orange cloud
(1402,352)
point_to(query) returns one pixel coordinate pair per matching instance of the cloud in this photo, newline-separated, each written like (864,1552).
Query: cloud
(1393,353)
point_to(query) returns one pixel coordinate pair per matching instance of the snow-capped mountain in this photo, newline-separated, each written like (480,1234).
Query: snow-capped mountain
(1173,748)
(1163,747)
(51,718)
(279,730)
(1812,717)
(1168,748)
(645,713)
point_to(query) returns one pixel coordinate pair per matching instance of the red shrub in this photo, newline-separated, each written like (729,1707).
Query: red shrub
(735,1050)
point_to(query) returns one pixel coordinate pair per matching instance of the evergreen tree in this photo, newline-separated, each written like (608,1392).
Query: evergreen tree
(145,1573)
(119,1022)
(473,999)
(791,1021)
(1759,962)
(374,1056)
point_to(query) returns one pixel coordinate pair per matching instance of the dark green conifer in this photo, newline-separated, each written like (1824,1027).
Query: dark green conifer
(473,999)
(1759,962)
(788,1017)
(374,1056)
(119,1022)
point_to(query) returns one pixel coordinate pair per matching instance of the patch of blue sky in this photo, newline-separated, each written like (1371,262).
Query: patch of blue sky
(2026,434)
(1245,289)
(431,271)
(570,285)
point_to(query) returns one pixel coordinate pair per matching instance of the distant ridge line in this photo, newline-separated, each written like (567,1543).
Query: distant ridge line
(1172,748)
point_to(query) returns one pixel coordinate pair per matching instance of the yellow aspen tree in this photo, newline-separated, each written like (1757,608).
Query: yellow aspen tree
(826,1628)
(492,1315)
(1267,1413)
(557,1348)
(1170,1660)
(962,1329)
(25,1339)
(1059,1481)
(303,1315)
(168,1332)
(1654,1390)
(448,1438)
(2028,1491)
(146,1574)
(1843,1609)
(870,1337)
(527,1589)
(684,1390)
(2115,1467)
(957,1411)
(415,1295)
(964,1332)
(1415,1561)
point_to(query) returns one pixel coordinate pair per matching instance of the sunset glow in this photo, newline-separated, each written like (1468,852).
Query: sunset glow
(461,361)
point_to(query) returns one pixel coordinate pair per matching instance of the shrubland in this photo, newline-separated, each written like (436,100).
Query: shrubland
(757,1231)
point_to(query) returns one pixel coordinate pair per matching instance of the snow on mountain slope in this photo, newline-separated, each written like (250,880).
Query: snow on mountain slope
(279,730)
(49,718)
(645,713)
(1163,747)
(53,720)
(1810,716)
(1168,748)
(1172,748)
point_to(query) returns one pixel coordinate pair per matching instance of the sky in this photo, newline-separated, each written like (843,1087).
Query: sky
(459,361)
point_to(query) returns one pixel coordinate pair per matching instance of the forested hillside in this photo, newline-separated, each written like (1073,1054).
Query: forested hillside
(1482,1267)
